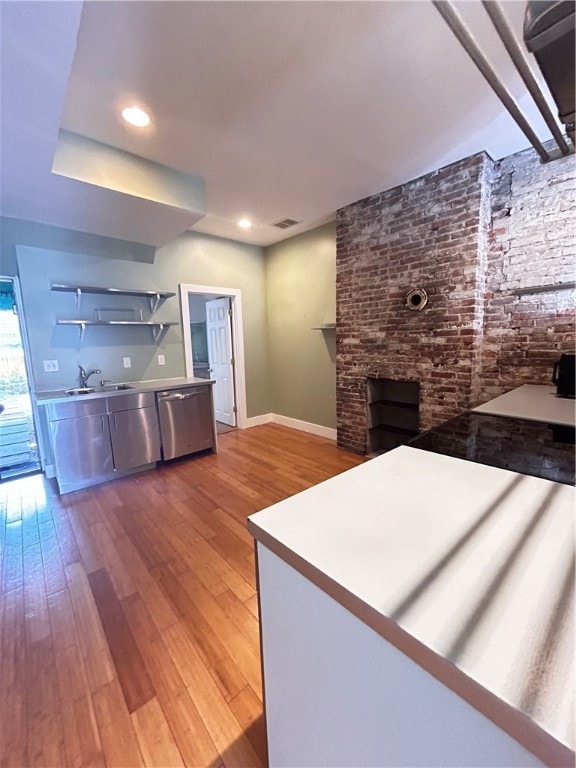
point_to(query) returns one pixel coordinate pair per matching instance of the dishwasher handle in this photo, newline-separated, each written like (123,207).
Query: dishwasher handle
(177,396)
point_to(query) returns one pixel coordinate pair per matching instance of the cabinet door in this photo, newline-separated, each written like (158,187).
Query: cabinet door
(82,450)
(135,437)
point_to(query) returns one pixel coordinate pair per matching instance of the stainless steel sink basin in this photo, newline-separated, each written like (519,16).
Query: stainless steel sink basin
(93,390)
(114,388)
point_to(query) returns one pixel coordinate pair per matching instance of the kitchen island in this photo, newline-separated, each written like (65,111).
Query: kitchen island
(418,610)
(529,430)
(533,402)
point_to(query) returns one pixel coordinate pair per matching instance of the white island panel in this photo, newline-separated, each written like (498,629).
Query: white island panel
(338,694)
(465,568)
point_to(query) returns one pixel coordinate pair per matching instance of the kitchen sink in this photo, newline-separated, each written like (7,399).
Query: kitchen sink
(93,390)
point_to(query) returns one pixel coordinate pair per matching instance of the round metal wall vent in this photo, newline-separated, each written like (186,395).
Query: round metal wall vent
(416,299)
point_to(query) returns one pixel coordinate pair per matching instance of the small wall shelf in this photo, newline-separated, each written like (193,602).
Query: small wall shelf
(154,297)
(157,327)
(545,289)
(324,327)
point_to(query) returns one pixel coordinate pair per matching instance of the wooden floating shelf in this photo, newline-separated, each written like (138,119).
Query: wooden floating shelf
(395,404)
(324,327)
(394,429)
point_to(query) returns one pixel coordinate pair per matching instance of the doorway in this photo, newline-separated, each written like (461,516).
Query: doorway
(18,442)
(214,347)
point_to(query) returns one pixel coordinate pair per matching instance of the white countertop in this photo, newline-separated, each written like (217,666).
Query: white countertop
(153,385)
(534,402)
(473,562)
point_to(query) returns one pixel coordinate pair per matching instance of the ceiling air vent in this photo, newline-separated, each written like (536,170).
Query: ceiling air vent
(284,223)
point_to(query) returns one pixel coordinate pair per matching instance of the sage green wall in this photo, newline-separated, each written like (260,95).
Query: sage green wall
(100,347)
(287,289)
(301,293)
(197,308)
(21,232)
(205,260)
(192,258)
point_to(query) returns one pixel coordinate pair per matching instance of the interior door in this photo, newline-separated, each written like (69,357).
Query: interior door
(219,332)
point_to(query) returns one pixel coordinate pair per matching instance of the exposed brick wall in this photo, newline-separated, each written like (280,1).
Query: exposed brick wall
(532,243)
(464,234)
(425,233)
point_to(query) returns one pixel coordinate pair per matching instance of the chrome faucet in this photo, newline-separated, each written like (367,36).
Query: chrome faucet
(85,376)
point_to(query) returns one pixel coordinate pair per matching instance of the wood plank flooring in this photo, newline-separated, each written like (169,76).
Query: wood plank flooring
(18,448)
(129,620)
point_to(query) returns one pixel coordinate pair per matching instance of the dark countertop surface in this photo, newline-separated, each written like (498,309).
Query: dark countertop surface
(529,447)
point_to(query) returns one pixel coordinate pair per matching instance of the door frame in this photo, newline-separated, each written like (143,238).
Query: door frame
(235,296)
(28,366)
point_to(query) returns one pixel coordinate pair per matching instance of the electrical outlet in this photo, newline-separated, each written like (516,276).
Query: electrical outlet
(127,362)
(50,366)
(161,360)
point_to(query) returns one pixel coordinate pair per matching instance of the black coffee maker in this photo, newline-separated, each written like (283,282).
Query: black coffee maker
(564,375)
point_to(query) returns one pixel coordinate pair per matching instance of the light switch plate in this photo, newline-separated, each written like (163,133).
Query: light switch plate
(50,366)
(127,362)
(161,360)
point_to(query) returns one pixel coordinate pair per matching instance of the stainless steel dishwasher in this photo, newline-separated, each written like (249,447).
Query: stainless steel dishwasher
(186,420)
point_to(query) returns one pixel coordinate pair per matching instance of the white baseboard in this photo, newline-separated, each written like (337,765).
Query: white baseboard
(305,426)
(287,421)
(255,421)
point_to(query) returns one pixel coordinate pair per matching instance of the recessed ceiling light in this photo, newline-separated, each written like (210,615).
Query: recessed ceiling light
(136,116)
(244,223)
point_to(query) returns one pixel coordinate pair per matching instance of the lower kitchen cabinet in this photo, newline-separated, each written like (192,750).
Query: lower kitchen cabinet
(82,450)
(134,431)
(94,439)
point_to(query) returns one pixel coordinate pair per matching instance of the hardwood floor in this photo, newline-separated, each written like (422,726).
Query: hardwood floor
(18,448)
(129,619)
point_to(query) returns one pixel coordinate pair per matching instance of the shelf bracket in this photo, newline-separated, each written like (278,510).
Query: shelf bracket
(157,331)
(154,302)
(81,329)
(78,297)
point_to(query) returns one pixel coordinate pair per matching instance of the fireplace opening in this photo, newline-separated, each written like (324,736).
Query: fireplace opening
(393,413)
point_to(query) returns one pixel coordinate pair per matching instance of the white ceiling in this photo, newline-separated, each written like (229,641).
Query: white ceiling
(287,109)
